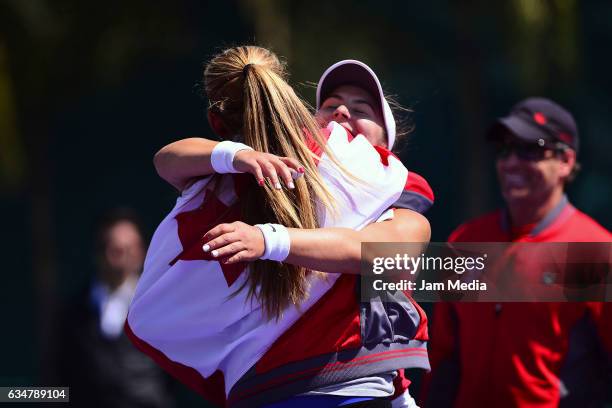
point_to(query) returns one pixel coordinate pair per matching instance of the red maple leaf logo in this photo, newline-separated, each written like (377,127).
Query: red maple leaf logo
(192,225)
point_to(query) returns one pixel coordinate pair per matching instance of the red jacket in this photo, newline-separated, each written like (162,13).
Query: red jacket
(521,354)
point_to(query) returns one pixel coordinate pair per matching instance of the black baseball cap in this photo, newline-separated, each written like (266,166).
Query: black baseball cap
(538,120)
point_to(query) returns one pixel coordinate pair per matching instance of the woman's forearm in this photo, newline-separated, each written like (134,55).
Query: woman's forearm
(180,162)
(183,161)
(338,250)
(335,250)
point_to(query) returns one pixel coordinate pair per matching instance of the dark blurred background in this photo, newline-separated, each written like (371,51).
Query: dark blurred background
(89,91)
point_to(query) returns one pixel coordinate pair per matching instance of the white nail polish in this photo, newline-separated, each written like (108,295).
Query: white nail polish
(278,186)
(215,253)
(206,248)
(291,185)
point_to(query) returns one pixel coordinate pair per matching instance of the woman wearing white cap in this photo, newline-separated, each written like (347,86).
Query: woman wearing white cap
(354,356)
(350,94)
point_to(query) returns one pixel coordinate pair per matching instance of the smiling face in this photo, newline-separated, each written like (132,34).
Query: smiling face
(529,174)
(356,110)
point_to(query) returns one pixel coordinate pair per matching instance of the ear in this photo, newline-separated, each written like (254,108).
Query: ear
(216,123)
(567,162)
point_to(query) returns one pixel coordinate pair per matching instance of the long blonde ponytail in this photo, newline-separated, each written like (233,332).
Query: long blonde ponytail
(246,86)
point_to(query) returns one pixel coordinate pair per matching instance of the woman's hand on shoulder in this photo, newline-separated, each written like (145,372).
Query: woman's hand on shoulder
(234,242)
(266,165)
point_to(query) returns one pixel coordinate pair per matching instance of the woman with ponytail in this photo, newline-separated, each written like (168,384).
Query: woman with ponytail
(229,301)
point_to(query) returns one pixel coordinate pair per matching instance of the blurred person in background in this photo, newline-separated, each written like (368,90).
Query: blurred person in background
(96,359)
(526,354)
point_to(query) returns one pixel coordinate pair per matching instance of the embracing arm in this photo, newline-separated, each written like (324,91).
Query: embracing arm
(183,161)
(336,250)
(180,162)
(339,249)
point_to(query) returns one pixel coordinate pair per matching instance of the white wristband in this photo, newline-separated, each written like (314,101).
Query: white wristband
(278,243)
(222,157)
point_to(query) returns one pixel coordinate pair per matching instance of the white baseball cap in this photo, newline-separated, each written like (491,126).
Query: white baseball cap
(357,73)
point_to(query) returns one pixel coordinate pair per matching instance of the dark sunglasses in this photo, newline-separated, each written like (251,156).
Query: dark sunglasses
(528,152)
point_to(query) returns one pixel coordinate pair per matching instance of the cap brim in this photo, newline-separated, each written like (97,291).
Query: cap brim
(518,128)
(345,74)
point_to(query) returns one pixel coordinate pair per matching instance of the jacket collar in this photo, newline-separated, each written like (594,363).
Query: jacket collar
(540,226)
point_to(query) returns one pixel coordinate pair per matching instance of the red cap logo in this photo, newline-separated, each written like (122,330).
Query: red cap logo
(539,118)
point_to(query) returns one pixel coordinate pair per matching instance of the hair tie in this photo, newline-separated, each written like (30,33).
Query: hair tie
(245,69)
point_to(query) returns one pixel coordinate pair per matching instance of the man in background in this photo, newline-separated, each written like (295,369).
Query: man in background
(97,361)
(526,354)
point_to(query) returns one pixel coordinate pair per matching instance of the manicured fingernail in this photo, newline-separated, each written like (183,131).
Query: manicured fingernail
(206,247)
(261,182)
(301,170)
(215,253)
(278,186)
(291,185)
(295,175)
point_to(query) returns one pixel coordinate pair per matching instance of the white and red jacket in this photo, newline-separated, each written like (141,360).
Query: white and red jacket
(183,316)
